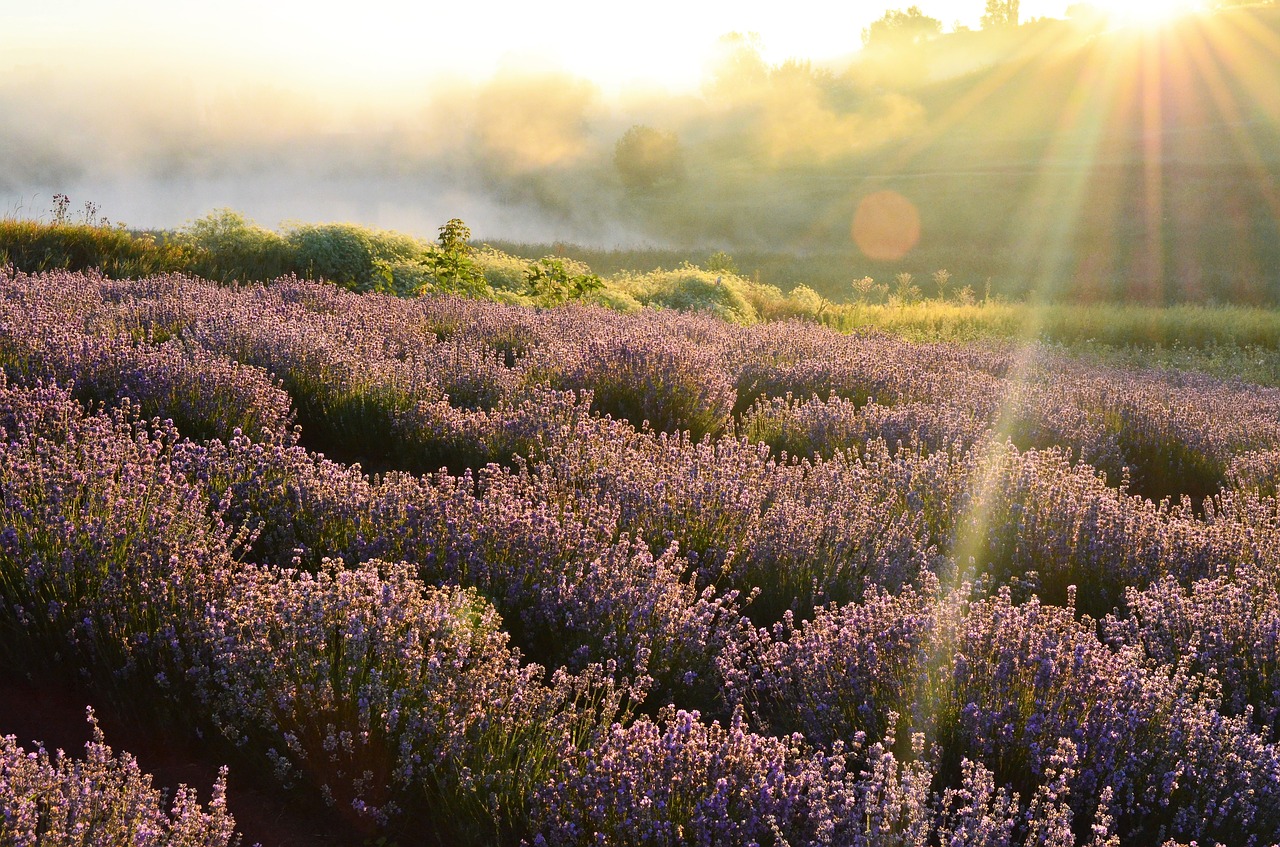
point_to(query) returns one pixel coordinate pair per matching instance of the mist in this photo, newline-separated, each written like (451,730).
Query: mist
(1051,153)
(527,154)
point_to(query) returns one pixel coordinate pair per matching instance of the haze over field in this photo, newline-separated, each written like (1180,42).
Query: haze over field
(1140,154)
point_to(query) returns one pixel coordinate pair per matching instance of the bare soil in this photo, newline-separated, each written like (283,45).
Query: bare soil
(54,714)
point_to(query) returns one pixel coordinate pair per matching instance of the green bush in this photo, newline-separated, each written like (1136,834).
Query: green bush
(691,289)
(502,271)
(551,281)
(611,297)
(225,247)
(452,264)
(351,256)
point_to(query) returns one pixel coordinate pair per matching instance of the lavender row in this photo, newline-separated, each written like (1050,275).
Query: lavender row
(65,332)
(423,383)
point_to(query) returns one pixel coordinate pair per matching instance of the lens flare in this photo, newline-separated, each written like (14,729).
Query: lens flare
(886,226)
(1149,13)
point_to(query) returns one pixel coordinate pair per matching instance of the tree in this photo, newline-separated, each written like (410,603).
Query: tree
(451,263)
(738,67)
(455,235)
(1000,13)
(897,28)
(646,158)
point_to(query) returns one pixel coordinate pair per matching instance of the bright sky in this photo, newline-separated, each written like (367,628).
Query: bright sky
(360,41)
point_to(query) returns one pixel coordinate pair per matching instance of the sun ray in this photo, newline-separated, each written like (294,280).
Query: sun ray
(1205,53)
(1149,14)
(991,85)
(1055,205)
(1152,107)
(1249,32)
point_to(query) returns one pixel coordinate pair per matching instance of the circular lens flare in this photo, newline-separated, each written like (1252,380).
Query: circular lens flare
(886,226)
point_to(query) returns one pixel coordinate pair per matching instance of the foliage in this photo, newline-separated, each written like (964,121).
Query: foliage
(646,158)
(229,248)
(905,289)
(552,281)
(455,235)
(36,247)
(451,263)
(865,289)
(897,28)
(1000,13)
(692,289)
(614,299)
(351,256)
(1186,328)
(502,271)
(722,263)
(738,69)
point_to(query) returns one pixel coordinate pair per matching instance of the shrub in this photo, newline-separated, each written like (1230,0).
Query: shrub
(226,247)
(551,281)
(452,264)
(104,800)
(692,289)
(389,697)
(839,674)
(672,384)
(680,780)
(102,536)
(344,254)
(613,299)
(502,271)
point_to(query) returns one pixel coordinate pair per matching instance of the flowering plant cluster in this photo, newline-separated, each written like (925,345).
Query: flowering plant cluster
(636,579)
(103,800)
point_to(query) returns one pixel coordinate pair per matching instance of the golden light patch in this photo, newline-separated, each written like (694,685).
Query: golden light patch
(1148,13)
(886,226)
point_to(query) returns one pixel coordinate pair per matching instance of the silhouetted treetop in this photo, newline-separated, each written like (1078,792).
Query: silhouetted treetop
(902,27)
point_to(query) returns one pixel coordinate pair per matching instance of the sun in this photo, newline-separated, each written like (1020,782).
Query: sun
(1148,13)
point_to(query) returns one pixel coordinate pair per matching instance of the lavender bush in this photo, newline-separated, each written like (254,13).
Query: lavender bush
(103,800)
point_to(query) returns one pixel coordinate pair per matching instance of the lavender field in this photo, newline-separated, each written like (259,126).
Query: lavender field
(486,574)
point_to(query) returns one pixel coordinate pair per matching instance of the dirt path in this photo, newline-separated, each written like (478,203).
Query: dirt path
(55,715)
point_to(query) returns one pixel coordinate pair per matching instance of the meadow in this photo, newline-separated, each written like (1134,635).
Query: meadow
(475,572)
(224,246)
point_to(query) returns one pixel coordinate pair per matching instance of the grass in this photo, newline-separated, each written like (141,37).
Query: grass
(1238,341)
(1113,325)
(36,247)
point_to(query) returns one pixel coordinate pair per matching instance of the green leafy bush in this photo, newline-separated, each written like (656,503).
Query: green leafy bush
(502,271)
(226,247)
(351,256)
(552,281)
(613,298)
(691,289)
(452,265)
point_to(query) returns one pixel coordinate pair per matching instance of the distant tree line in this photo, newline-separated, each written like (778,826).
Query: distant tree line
(913,26)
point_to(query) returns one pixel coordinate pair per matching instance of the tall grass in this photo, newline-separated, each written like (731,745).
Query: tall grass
(1112,324)
(37,247)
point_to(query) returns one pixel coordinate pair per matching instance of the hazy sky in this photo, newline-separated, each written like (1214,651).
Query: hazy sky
(161,110)
(393,41)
